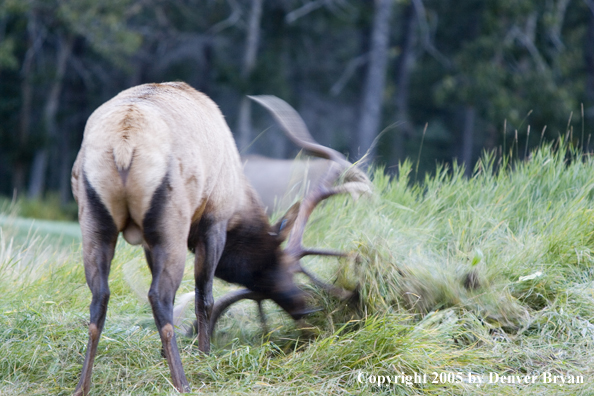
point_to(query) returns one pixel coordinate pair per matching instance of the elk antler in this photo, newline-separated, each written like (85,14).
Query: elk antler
(231,298)
(219,308)
(296,130)
(356,183)
(294,244)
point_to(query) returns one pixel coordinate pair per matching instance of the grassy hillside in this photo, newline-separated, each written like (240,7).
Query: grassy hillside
(460,279)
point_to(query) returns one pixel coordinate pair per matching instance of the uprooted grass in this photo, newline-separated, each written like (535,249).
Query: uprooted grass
(492,274)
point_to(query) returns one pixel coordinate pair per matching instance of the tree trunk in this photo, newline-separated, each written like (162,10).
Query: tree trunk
(65,167)
(19,167)
(208,55)
(468,138)
(244,122)
(372,98)
(404,66)
(39,168)
(589,59)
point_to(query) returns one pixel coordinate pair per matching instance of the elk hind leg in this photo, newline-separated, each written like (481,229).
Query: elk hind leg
(166,255)
(99,240)
(167,269)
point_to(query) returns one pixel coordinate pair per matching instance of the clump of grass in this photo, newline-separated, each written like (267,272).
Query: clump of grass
(499,227)
(467,276)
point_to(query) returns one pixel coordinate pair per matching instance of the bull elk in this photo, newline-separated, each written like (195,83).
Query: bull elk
(159,164)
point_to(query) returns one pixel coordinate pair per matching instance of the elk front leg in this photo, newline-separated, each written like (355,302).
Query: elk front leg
(208,252)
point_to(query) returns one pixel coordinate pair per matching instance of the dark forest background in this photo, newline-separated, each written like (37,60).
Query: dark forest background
(453,76)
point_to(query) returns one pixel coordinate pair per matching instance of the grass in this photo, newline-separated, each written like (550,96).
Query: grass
(23,230)
(26,219)
(48,208)
(492,274)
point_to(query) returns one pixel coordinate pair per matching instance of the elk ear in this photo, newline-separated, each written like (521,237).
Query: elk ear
(283,227)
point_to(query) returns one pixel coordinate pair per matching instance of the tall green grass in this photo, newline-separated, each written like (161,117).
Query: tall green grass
(48,208)
(480,275)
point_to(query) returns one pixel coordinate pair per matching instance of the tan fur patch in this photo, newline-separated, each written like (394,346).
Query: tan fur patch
(124,150)
(167,331)
(93,331)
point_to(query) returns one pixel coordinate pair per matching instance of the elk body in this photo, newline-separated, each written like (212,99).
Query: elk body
(278,182)
(159,164)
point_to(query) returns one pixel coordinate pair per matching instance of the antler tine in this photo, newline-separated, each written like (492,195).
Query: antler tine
(296,130)
(231,298)
(337,292)
(322,191)
(309,203)
(322,252)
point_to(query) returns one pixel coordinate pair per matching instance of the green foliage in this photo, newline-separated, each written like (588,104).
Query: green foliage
(7,58)
(103,24)
(505,70)
(49,208)
(488,274)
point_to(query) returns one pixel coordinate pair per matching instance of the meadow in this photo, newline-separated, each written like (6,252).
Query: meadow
(462,281)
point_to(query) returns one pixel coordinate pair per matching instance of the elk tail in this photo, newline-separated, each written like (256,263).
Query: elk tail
(123,155)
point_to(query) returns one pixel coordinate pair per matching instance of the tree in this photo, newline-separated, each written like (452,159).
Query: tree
(502,70)
(373,92)
(589,61)
(53,28)
(405,63)
(35,40)
(252,41)
(39,167)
